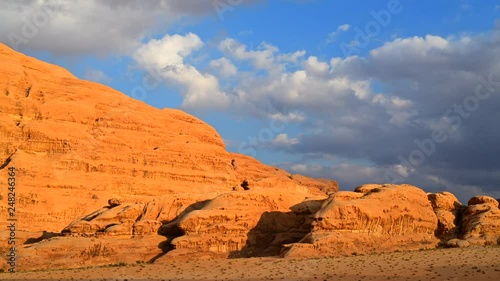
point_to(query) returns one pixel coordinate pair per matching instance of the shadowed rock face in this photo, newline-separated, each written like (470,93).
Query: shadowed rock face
(449,213)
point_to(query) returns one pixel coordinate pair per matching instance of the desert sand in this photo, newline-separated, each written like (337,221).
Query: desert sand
(473,263)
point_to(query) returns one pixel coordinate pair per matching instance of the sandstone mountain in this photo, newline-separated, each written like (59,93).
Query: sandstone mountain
(76,143)
(103,179)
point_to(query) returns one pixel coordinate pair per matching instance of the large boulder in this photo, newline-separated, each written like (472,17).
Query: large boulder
(481,221)
(477,200)
(445,201)
(377,218)
(449,213)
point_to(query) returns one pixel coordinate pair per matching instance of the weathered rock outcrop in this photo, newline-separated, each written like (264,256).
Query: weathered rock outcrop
(246,224)
(135,219)
(449,213)
(72,252)
(481,221)
(462,226)
(377,218)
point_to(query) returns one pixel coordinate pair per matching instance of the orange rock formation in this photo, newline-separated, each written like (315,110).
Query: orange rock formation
(77,143)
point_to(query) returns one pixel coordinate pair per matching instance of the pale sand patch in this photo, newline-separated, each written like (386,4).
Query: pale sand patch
(474,263)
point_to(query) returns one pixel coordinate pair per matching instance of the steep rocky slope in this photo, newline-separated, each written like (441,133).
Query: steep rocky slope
(75,144)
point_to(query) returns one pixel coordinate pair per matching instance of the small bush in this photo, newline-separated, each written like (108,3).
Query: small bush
(120,264)
(244,184)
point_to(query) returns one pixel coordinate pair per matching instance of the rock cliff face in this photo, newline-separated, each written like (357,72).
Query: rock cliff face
(75,144)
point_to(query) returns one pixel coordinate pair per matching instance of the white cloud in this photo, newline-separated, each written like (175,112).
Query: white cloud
(170,50)
(166,56)
(344,27)
(401,110)
(315,67)
(341,28)
(282,140)
(410,48)
(292,57)
(261,59)
(224,66)
(288,116)
(266,57)
(417,79)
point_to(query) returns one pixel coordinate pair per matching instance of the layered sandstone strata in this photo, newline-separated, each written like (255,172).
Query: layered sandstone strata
(76,143)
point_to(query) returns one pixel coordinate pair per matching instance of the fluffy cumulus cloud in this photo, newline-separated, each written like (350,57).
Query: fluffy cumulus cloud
(166,58)
(283,140)
(224,67)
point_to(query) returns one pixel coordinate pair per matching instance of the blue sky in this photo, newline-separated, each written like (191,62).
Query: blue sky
(294,83)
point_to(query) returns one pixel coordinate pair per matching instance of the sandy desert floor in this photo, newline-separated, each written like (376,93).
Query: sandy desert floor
(474,263)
